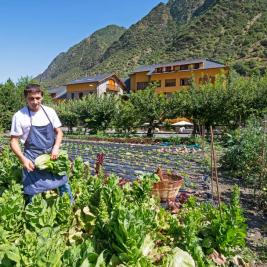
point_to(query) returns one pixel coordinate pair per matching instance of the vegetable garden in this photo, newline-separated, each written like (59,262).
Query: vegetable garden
(113,224)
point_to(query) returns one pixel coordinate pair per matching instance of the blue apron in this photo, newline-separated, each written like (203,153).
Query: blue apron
(40,140)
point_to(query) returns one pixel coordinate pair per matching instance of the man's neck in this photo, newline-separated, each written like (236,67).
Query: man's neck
(34,110)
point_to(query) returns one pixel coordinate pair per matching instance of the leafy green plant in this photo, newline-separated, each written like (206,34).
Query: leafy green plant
(11,209)
(60,166)
(79,169)
(42,248)
(202,228)
(10,168)
(39,215)
(142,187)
(81,255)
(244,155)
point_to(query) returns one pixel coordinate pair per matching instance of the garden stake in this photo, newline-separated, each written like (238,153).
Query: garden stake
(263,149)
(215,169)
(212,172)
(203,140)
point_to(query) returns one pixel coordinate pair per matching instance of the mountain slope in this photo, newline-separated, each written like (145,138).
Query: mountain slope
(183,10)
(231,31)
(81,57)
(142,43)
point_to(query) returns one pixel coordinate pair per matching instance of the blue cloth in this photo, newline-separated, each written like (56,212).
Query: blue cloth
(65,188)
(40,140)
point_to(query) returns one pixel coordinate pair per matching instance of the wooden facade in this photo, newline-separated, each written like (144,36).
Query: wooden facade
(175,76)
(98,84)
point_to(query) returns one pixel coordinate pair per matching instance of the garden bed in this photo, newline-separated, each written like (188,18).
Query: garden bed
(130,161)
(174,140)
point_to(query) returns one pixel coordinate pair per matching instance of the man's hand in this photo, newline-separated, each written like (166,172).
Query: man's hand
(55,150)
(54,153)
(28,164)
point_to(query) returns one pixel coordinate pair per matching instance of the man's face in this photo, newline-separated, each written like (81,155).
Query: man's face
(34,101)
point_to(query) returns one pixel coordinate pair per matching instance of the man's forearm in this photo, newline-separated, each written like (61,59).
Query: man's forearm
(14,144)
(59,136)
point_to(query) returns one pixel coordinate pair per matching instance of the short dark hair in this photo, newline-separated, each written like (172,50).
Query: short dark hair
(33,88)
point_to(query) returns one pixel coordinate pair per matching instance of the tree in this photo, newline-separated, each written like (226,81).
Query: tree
(96,113)
(67,114)
(125,118)
(11,100)
(149,107)
(230,101)
(203,104)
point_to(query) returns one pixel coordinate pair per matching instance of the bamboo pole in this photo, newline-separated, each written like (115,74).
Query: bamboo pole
(212,172)
(215,168)
(263,150)
(202,127)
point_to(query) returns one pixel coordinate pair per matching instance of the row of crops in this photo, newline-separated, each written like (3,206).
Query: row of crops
(113,223)
(129,160)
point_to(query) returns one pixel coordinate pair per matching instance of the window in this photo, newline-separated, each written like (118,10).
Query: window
(72,95)
(81,95)
(159,70)
(142,85)
(185,81)
(184,67)
(170,82)
(196,65)
(168,69)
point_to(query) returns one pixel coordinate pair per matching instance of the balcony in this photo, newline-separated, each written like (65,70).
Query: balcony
(164,70)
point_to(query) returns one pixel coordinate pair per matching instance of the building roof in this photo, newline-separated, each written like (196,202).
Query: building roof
(61,92)
(208,64)
(92,79)
(146,68)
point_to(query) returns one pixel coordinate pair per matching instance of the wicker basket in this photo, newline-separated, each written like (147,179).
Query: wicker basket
(168,186)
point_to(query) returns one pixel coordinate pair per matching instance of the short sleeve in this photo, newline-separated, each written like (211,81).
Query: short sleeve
(16,128)
(55,120)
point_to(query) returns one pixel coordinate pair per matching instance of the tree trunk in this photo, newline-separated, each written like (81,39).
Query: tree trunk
(150,131)
(195,125)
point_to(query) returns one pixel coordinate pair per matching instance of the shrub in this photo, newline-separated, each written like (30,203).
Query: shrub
(244,157)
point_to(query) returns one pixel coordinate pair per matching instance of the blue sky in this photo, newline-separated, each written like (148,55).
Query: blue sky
(34,32)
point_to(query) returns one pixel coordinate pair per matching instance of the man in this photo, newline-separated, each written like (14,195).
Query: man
(38,127)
